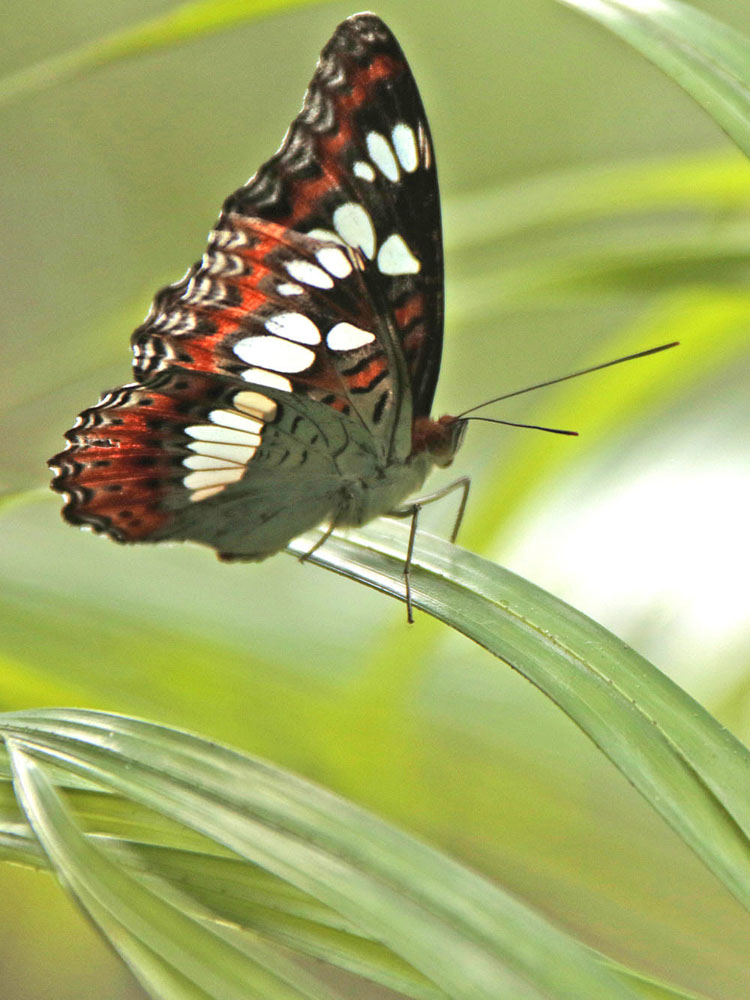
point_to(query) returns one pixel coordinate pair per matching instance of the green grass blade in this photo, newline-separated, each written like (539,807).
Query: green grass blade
(708,59)
(694,772)
(185,22)
(242,895)
(690,769)
(463,934)
(172,954)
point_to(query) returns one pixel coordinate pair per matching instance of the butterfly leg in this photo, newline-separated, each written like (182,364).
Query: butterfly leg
(412,510)
(321,541)
(342,500)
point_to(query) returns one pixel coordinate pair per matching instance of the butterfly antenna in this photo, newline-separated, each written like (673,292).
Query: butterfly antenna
(531,427)
(564,378)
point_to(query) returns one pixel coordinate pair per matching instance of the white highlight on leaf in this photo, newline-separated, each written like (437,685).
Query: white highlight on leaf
(274,353)
(212,477)
(382,156)
(222,435)
(354,225)
(237,453)
(256,404)
(363,170)
(229,418)
(405,144)
(207,462)
(395,257)
(334,261)
(293,326)
(289,288)
(309,274)
(269,379)
(347,337)
(209,491)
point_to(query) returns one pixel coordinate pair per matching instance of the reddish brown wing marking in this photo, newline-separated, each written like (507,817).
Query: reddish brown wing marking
(205,458)
(121,466)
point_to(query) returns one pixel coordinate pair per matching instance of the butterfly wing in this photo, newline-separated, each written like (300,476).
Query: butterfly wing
(206,458)
(358,160)
(295,355)
(357,166)
(278,308)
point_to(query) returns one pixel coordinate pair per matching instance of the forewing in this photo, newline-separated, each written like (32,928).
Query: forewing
(280,309)
(358,164)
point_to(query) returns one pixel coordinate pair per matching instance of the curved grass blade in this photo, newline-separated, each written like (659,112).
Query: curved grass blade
(466,936)
(182,23)
(692,770)
(241,895)
(172,954)
(708,59)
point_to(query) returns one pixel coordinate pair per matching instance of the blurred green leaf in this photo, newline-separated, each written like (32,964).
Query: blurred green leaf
(185,22)
(710,60)
(716,183)
(690,769)
(711,325)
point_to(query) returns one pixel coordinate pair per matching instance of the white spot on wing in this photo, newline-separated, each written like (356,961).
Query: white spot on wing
(269,379)
(334,261)
(228,418)
(325,234)
(289,288)
(222,435)
(294,326)
(424,146)
(227,239)
(405,144)
(309,274)
(204,494)
(363,170)
(275,353)
(347,337)
(394,257)
(240,454)
(207,462)
(382,156)
(355,227)
(256,404)
(212,477)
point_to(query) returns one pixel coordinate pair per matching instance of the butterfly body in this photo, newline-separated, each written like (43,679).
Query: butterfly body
(287,379)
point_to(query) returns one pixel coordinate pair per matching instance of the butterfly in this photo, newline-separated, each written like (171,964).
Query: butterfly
(287,380)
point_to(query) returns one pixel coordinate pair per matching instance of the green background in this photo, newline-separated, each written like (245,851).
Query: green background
(108,186)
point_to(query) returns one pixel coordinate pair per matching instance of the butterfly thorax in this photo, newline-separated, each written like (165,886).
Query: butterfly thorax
(434,443)
(361,500)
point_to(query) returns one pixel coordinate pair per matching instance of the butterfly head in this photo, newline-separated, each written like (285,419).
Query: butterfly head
(440,438)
